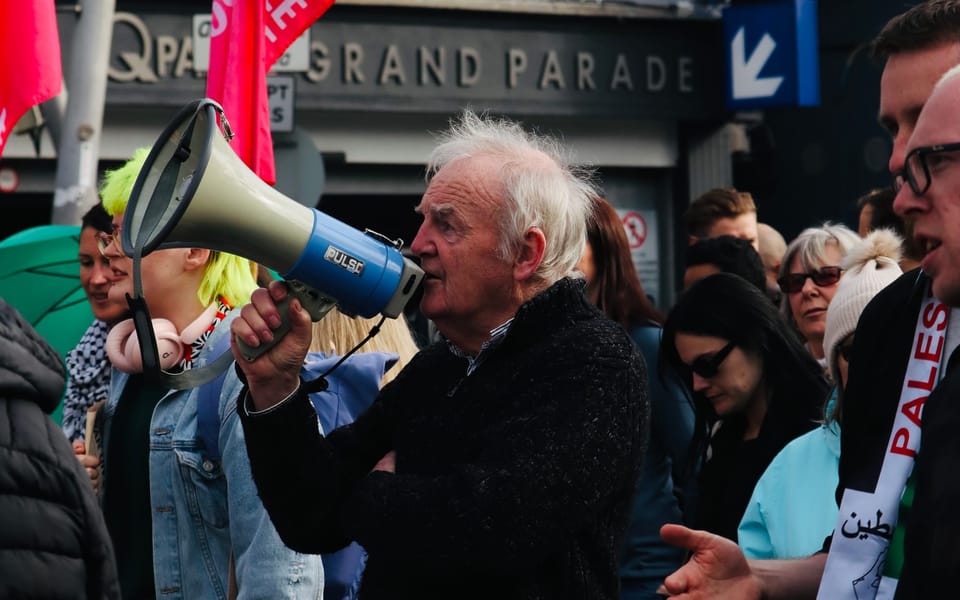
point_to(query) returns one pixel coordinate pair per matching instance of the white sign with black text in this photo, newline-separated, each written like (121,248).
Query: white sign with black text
(295,59)
(280,95)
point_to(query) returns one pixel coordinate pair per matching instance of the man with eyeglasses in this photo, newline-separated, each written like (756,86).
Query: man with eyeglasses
(930,199)
(882,411)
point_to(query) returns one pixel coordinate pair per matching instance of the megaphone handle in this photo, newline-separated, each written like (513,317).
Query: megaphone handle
(315,303)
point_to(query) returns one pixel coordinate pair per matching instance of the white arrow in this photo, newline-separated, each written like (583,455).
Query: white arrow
(746,83)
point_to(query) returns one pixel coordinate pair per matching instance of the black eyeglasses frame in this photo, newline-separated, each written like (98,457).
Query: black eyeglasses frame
(915,165)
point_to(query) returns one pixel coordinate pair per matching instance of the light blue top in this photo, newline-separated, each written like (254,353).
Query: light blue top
(203,509)
(793,506)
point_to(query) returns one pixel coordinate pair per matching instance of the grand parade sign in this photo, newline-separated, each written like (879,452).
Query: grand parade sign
(637,68)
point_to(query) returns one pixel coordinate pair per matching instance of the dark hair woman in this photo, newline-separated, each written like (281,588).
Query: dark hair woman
(613,285)
(755,388)
(612,280)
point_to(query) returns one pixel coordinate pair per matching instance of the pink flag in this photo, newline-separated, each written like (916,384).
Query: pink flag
(286,20)
(247,37)
(29,59)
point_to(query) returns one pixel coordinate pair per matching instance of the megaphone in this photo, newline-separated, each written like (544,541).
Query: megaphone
(194,191)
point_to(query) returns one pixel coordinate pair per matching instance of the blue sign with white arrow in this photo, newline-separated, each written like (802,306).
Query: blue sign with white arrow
(772,54)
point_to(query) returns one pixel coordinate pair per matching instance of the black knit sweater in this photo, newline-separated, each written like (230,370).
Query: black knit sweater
(512,482)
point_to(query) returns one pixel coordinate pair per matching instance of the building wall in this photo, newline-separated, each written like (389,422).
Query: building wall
(620,91)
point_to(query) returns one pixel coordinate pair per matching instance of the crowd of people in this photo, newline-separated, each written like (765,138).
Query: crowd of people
(560,437)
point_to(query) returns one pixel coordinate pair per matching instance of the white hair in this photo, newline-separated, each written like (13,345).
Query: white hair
(811,248)
(540,187)
(811,244)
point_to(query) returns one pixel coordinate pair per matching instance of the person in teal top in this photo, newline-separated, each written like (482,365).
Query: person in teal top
(793,506)
(614,286)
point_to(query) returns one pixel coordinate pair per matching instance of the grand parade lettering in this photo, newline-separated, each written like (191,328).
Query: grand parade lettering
(163,56)
(642,70)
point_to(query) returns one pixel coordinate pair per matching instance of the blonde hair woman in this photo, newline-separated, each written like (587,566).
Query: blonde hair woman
(155,453)
(337,333)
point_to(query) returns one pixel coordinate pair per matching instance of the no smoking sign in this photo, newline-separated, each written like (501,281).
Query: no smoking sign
(636,227)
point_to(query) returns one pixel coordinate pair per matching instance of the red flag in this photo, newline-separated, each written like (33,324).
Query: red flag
(286,20)
(29,59)
(247,37)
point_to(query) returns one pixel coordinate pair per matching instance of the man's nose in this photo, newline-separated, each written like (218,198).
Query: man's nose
(906,202)
(419,245)
(899,151)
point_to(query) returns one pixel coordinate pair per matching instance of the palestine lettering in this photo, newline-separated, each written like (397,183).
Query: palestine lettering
(862,531)
(913,409)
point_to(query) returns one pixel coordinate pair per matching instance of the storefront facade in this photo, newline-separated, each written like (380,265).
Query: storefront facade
(638,99)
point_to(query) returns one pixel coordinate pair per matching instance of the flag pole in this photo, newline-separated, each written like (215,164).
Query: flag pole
(78,152)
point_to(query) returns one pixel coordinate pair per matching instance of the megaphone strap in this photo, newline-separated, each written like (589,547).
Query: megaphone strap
(152,371)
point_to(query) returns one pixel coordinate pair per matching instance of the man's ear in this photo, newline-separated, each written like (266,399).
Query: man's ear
(531,254)
(692,240)
(196,258)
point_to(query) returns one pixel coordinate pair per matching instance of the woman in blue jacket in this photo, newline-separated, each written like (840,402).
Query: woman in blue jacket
(613,285)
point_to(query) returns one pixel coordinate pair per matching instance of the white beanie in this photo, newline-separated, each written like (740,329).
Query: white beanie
(869,266)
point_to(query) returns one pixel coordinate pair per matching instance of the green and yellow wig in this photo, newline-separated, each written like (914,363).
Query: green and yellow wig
(226,275)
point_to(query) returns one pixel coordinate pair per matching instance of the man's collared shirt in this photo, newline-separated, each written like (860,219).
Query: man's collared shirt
(496,337)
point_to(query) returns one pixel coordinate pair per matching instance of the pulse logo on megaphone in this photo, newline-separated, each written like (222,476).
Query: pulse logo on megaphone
(194,191)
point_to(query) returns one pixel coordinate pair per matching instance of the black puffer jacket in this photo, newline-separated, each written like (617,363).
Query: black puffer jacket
(53,541)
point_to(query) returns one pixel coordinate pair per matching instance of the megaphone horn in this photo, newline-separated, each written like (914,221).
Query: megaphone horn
(194,191)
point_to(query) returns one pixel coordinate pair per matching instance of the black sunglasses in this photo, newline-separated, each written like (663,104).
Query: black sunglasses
(708,367)
(791,283)
(916,167)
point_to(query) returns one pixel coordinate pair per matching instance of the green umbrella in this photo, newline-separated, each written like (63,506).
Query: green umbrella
(40,277)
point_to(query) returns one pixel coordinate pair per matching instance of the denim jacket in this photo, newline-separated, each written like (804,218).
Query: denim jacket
(203,509)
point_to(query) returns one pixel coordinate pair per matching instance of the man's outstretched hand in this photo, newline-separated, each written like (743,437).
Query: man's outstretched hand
(717,568)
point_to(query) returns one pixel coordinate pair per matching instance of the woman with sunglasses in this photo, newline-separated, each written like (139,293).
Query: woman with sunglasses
(755,388)
(808,279)
(793,507)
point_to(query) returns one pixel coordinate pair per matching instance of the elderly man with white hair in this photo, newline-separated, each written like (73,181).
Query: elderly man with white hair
(501,462)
